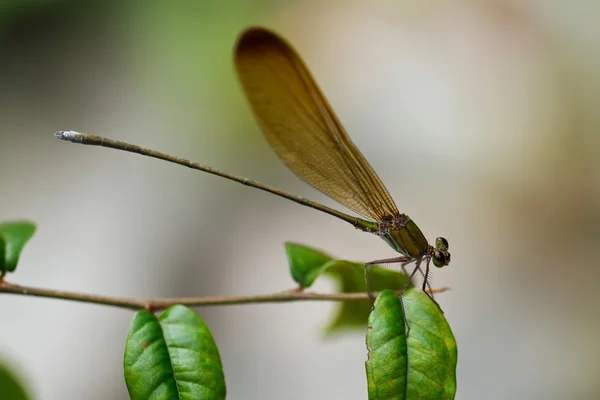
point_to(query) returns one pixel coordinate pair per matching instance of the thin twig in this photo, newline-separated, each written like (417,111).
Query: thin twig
(160,304)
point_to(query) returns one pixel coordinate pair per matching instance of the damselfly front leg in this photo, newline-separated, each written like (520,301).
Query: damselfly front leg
(369,269)
(404,261)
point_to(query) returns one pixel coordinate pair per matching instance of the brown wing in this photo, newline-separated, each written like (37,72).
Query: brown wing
(302,128)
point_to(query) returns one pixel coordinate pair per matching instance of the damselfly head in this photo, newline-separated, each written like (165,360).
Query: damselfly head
(441,256)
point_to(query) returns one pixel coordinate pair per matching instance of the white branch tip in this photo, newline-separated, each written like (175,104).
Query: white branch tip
(70,136)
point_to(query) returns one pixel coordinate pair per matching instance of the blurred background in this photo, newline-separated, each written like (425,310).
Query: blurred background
(482,118)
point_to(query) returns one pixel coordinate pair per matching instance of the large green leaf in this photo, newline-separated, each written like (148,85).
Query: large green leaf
(421,365)
(173,356)
(15,235)
(307,264)
(11,387)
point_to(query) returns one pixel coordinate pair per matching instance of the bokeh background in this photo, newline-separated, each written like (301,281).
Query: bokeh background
(482,118)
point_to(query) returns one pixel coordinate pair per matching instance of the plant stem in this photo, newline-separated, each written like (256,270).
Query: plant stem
(160,304)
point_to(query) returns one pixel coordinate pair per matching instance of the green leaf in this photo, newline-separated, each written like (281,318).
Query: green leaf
(15,235)
(11,387)
(305,263)
(2,256)
(173,356)
(354,314)
(420,366)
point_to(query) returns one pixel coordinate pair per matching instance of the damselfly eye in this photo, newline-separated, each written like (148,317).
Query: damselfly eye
(439,259)
(441,242)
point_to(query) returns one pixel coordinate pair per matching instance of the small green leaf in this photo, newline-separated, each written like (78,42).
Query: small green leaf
(420,366)
(173,356)
(305,263)
(351,278)
(11,387)
(15,235)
